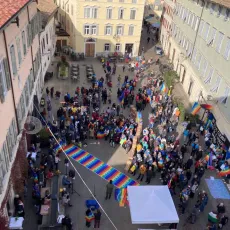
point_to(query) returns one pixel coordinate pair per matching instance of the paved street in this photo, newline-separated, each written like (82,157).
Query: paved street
(115,157)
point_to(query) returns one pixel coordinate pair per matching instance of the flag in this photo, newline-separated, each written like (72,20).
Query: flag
(195,108)
(121,98)
(209,162)
(163,88)
(100,134)
(121,196)
(224,172)
(169,183)
(212,217)
(90,217)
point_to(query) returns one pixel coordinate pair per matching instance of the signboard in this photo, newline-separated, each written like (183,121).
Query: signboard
(217,137)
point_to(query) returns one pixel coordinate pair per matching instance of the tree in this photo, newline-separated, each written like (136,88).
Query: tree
(170,78)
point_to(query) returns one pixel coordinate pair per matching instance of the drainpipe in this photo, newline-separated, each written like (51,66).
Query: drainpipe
(11,82)
(201,14)
(65,13)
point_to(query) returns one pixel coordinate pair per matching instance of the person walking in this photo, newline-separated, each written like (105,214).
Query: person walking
(52,92)
(88,217)
(148,39)
(123,67)
(97,219)
(142,172)
(149,175)
(109,189)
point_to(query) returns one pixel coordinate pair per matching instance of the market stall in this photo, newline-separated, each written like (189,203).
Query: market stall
(151,205)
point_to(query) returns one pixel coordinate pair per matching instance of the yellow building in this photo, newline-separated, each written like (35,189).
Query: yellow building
(102,26)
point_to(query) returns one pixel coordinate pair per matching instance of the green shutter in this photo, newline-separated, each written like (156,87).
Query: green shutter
(2,98)
(7,73)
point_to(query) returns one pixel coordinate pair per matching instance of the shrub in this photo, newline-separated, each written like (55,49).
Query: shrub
(170,78)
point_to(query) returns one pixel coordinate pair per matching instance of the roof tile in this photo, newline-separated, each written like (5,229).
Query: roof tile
(8,8)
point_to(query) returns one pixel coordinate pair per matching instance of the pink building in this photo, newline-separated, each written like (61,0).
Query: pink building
(20,72)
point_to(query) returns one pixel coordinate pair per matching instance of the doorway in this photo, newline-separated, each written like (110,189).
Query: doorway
(89,49)
(129,48)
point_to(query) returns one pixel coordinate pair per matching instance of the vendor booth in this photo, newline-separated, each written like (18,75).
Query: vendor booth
(151,205)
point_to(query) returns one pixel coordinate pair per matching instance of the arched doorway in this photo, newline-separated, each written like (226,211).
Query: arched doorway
(90,47)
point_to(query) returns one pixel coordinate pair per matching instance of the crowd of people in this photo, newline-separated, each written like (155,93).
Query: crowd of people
(158,151)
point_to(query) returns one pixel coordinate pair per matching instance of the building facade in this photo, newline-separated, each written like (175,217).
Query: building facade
(21,80)
(199,48)
(102,26)
(48,10)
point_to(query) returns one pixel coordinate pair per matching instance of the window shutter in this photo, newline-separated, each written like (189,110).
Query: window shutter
(7,73)
(15,130)
(28,35)
(9,144)
(2,98)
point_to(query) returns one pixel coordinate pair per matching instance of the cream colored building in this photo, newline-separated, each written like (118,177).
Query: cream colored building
(198,44)
(102,26)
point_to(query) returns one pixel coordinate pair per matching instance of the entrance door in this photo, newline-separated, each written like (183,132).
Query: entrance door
(89,49)
(129,48)
(58,45)
(173,56)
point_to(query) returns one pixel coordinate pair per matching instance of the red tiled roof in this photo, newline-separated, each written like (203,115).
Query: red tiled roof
(9,8)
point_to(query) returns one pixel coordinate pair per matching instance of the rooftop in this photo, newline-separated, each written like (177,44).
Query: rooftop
(225,3)
(8,8)
(47,8)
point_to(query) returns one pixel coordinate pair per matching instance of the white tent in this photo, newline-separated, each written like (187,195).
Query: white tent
(151,205)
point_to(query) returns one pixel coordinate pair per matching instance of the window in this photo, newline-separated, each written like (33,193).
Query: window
(24,42)
(203,68)
(107,47)
(219,11)
(131,30)
(194,55)
(108,30)
(87,30)
(94,29)
(227,49)
(19,50)
(134,1)
(224,99)
(201,27)
(121,0)
(13,60)
(190,86)
(47,38)
(212,8)
(71,9)
(121,13)
(211,36)
(109,13)
(87,12)
(217,85)
(191,20)
(94,12)
(209,75)
(119,30)
(205,31)
(68,8)
(3,81)
(226,16)
(132,14)
(118,47)
(198,61)
(219,42)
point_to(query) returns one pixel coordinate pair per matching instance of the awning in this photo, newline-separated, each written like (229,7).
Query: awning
(151,205)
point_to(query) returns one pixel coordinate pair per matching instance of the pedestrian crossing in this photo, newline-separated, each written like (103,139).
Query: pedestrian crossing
(107,172)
